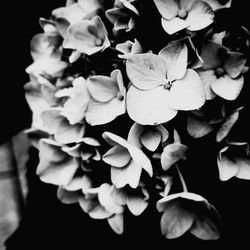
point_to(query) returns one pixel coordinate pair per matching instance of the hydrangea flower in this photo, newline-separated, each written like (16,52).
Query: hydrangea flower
(162,85)
(129,48)
(107,98)
(234,160)
(177,15)
(122,15)
(221,72)
(186,211)
(126,160)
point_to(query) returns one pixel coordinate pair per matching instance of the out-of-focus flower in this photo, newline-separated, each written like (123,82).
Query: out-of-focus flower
(129,48)
(162,85)
(186,211)
(234,161)
(122,15)
(87,36)
(221,72)
(126,160)
(178,15)
(107,98)
(75,108)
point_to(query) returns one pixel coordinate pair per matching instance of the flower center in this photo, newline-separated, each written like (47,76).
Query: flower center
(219,72)
(167,84)
(182,14)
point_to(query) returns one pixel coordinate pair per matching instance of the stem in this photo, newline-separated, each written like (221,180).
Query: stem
(183,183)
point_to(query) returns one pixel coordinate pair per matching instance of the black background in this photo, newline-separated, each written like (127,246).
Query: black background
(48,224)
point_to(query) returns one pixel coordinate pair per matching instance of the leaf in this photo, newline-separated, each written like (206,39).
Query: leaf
(187,93)
(146,71)
(171,154)
(136,204)
(151,139)
(149,107)
(227,125)
(228,88)
(116,222)
(197,127)
(176,220)
(117,156)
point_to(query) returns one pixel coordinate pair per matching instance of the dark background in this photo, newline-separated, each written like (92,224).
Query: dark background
(48,224)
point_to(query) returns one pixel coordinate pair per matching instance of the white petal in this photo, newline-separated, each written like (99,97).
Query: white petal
(149,107)
(188,93)
(151,140)
(136,204)
(134,135)
(174,25)
(243,168)
(167,8)
(116,223)
(99,212)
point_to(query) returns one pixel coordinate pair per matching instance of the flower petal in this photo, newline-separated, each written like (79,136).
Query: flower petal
(149,107)
(136,204)
(116,222)
(101,113)
(243,168)
(129,174)
(174,25)
(228,88)
(67,197)
(135,134)
(151,139)
(102,88)
(200,16)
(234,64)
(171,154)
(175,56)
(117,156)
(216,4)
(176,220)
(114,140)
(99,212)
(208,77)
(227,125)
(146,71)
(90,5)
(227,168)
(188,93)
(198,127)
(167,8)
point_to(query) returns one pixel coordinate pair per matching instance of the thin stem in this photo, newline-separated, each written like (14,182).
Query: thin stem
(183,183)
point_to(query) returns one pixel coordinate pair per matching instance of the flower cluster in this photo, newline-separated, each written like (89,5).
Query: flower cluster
(117,104)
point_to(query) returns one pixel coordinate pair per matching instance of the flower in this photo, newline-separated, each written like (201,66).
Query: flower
(129,48)
(108,98)
(126,160)
(221,72)
(186,211)
(162,85)
(191,15)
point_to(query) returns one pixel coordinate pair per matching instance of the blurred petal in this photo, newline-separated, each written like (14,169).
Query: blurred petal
(101,113)
(117,156)
(151,139)
(243,168)
(208,77)
(140,158)
(227,125)
(175,56)
(136,204)
(113,139)
(228,88)
(90,5)
(197,127)
(149,107)
(171,154)
(119,196)
(217,4)
(127,175)
(146,71)
(105,199)
(227,168)
(102,88)
(174,25)
(234,64)
(207,223)
(164,133)
(200,16)
(116,222)
(99,212)
(167,8)
(188,93)
(176,220)
(67,197)
(134,135)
